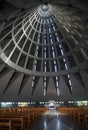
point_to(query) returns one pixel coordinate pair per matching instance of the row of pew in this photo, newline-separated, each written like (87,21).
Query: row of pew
(19,118)
(78,114)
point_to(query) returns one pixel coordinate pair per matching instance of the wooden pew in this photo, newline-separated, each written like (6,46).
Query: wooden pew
(13,123)
(28,118)
(86,120)
(6,124)
(28,115)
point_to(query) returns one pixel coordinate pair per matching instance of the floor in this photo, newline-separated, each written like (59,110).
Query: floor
(53,120)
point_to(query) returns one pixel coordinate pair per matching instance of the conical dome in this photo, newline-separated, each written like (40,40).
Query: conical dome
(43,46)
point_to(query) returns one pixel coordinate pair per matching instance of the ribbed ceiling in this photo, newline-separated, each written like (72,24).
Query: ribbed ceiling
(44,54)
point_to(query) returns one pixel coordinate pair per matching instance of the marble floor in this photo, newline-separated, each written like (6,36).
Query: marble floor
(53,120)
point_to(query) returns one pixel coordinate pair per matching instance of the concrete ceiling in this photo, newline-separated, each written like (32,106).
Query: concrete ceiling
(72,20)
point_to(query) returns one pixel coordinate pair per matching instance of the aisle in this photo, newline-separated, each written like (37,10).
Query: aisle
(53,120)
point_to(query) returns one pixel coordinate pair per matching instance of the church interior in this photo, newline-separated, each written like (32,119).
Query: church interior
(43,64)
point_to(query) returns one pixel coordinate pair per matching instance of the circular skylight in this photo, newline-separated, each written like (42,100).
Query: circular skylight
(44,7)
